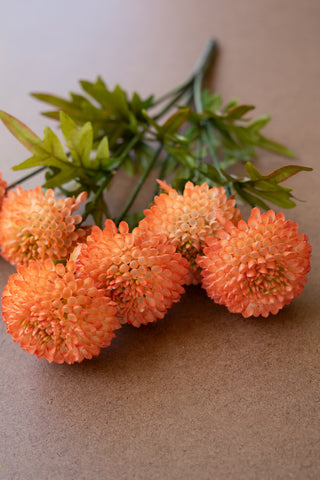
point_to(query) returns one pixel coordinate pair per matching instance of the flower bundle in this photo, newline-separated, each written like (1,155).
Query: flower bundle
(78,283)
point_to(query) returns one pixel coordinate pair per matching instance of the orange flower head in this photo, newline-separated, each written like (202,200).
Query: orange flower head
(3,189)
(142,273)
(35,226)
(256,268)
(189,218)
(55,315)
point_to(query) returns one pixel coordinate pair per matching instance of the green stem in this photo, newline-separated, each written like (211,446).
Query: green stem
(26,177)
(173,92)
(96,197)
(200,70)
(209,136)
(118,161)
(171,103)
(161,174)
(206,58)
(138,185)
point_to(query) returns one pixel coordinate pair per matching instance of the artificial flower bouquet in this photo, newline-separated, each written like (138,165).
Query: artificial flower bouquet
(77,282)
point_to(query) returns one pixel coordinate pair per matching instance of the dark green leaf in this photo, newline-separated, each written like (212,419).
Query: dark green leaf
(133,219)
(250,199)
(284,173)
(275,147)
(212,173)
(278,197)
(173,123)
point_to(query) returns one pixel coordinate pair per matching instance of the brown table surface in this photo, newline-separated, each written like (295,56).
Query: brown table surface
(201,394)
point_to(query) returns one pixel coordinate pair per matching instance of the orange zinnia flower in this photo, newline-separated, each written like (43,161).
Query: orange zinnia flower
(34,225)
(142,274)
(256,268)
(189,218)
(3,189)
(56,316)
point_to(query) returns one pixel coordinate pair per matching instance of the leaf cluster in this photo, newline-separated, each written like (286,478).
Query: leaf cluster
(186,135)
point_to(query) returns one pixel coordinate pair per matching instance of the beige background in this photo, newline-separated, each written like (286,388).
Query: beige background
(201,394)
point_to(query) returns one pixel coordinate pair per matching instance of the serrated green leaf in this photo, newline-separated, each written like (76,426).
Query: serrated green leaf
(79,141)
(48,152)
(115,102)
(97,90)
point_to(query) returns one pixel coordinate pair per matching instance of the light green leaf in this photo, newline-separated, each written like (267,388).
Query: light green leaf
(22,133)
(252,172)
(78,141)
(103,154)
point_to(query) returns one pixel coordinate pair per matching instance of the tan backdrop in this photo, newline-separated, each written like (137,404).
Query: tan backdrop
(201,394)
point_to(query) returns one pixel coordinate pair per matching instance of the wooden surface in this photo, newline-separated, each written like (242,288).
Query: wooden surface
(201,394)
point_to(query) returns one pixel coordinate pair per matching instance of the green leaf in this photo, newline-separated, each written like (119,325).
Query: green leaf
(212,173)
(259,123)
(59,102)
(275,147)
(48,152)
(137,104)
(115,102)
(133,219)
(103,154)
(211,102)
(284,173)
(129,166)
(238,111)
(64,176)
(174,122)
(278,197)
(181,154)
(231,104)
(252,172)
(251,199)
(22,133)
(78,141)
